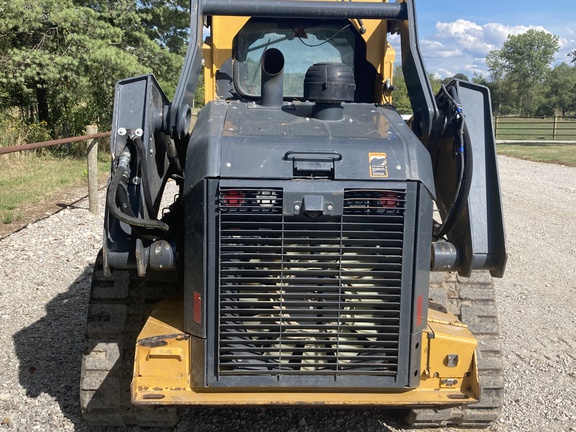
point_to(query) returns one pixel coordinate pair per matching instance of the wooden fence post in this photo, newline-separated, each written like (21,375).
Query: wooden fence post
(496,118)
(92,145)
(555,126)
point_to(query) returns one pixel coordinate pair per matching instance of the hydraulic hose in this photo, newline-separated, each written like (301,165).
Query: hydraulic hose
(465,165)
(122,198)
(463,187)
(111,202)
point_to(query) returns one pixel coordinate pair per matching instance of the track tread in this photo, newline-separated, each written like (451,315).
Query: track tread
(473,301)
(116,312)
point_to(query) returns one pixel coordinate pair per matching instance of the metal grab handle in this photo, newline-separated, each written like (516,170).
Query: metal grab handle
(312,156)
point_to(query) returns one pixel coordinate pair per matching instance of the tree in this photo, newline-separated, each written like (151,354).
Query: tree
(458,76)
(462,77)
(560,91)
(166,22)
(494,88)
(199,96)
(435,82)
(523,64)
(400,98)
(61,59)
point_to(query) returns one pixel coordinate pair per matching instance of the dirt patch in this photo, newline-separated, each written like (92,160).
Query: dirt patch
(51,204)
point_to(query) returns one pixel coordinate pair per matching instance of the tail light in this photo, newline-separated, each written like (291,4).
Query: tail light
(389,200)
(233,198)
(376,202)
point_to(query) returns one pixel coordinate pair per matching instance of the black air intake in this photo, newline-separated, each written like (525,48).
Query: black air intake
(329,84)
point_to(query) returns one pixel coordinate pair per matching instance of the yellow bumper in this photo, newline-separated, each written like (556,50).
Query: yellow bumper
(163,363)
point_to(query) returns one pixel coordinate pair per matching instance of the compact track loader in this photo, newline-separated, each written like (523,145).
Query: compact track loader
(321,250)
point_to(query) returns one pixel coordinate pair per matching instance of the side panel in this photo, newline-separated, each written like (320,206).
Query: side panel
(136,128)
(480,232)
(421,274)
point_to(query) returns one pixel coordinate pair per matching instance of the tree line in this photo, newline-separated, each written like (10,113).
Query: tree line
(521,77)
(60,59)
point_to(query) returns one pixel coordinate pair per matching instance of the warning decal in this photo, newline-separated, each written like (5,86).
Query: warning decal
(378,164)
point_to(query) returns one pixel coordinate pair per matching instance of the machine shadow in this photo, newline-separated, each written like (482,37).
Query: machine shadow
(291,420)
(50,350)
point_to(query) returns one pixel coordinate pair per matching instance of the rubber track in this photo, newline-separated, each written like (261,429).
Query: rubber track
(472,300)
(116,312)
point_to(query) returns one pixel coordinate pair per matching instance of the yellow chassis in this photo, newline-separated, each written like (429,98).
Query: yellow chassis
(163,366)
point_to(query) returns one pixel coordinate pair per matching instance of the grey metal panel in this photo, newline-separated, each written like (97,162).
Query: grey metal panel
(203,152)
(421,275)
(480,232)
(245,140)
(137,104)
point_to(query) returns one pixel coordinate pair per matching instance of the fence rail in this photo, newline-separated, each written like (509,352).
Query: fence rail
(90,138)
(33,146)
(556,130)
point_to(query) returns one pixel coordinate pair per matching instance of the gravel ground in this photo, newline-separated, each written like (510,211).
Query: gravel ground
(44,280)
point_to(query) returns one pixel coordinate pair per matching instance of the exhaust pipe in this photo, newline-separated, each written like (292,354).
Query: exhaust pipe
(272,84)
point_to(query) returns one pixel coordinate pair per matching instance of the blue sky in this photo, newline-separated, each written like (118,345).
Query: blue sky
(455,36)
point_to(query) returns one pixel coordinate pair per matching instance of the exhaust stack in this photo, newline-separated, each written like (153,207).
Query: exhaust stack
(272,84)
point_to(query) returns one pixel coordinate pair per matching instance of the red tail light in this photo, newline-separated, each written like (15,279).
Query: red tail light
(388,200)
(234,198)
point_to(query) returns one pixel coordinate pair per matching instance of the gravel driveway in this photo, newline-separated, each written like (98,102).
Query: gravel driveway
(44,279)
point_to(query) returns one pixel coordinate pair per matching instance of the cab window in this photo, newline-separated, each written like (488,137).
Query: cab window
(303,43)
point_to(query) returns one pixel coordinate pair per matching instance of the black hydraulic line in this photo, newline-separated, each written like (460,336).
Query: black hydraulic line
(308,9)
(123,200)
(463,152)
(137,142)
(463,188)
(111,197)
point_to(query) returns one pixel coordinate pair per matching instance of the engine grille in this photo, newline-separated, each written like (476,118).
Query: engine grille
(309,296)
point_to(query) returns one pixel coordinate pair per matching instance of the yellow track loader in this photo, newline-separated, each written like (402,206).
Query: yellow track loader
(321,250)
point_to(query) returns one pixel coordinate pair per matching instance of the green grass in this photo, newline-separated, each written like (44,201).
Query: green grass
(563,154)
(28,180)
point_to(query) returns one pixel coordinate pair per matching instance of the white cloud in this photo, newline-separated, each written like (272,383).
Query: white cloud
(462,46)
(498,33)
(566,47)
(478,39)
(468,35)
(442,73)
(438,49)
